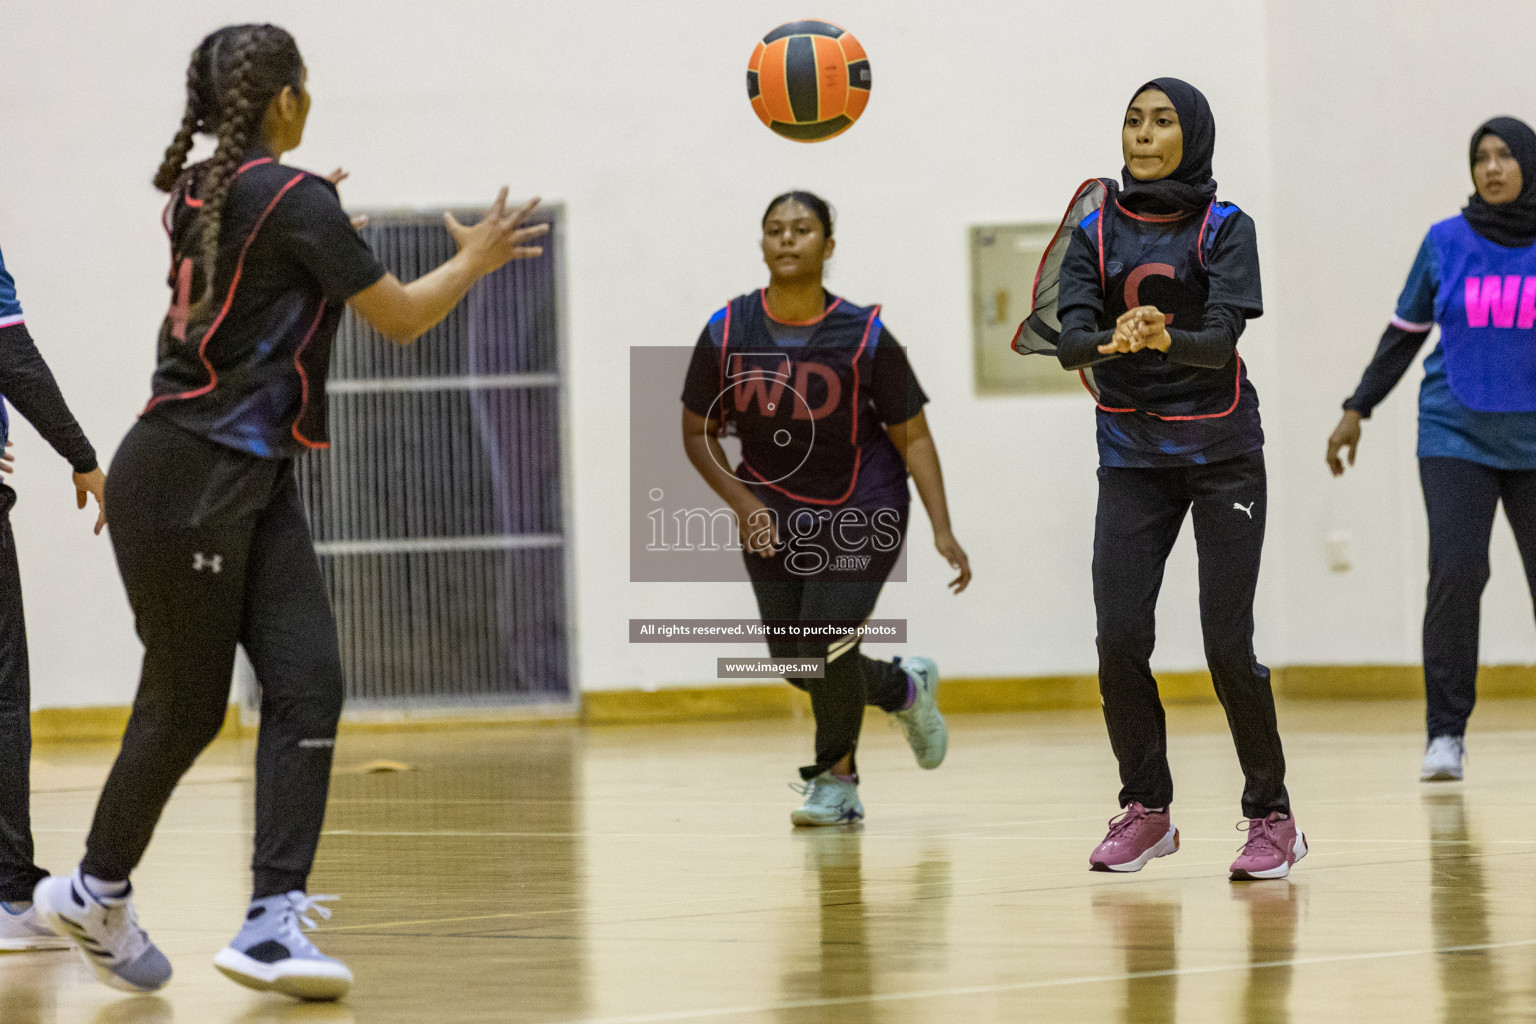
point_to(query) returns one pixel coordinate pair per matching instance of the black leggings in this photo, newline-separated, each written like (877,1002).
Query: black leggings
(1140,514)
(1461,498)
(214,550)
(853,680)
(18,872)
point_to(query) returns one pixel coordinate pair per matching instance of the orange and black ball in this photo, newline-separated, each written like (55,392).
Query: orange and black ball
(808,80)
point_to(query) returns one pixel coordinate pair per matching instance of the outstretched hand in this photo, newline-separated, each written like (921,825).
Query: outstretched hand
(496,238)
(336,177)
(93,483)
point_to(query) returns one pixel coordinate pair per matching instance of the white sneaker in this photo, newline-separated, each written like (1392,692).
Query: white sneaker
(1442,759)
(106,929)
(20,930)
(271,953)
(829,800)
(927,734)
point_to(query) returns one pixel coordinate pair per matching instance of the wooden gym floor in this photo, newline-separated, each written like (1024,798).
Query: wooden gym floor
(637,874)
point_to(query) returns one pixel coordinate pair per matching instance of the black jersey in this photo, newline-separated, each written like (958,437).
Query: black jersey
(247,367)
(1163,409)
(808,401)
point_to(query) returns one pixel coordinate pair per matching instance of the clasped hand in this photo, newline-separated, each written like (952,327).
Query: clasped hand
(1139,328)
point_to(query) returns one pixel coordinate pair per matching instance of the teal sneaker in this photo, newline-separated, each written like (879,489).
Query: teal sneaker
(829,800)
(927,734)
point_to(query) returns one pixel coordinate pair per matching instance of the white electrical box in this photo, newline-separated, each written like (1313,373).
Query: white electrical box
(1004,258)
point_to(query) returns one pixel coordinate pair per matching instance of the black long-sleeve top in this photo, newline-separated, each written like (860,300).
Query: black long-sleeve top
(28,384)
(1211,346)
(1394,354)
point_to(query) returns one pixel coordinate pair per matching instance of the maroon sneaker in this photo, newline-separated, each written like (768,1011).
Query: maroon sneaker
(1135,837)
(1274,844)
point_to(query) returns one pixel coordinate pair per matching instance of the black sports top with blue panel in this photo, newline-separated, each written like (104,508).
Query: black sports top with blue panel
(247,368)
(809,402)
(1193,404)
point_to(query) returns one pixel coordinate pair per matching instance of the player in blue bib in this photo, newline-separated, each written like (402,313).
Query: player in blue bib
(1474,276)
(830,419)
(1155,288)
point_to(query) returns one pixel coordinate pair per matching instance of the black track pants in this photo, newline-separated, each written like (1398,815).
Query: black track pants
(214,550)
(18,873)
(1139,516)
(1461,498)
(853,680)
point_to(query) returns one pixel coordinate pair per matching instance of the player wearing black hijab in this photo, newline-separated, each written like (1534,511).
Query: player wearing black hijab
(1155,289)
(210,538)
(1474,276)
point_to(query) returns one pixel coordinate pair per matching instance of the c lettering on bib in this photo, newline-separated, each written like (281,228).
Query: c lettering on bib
(1146,270)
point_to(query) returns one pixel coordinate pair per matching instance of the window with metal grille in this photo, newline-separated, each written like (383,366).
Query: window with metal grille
(439,511)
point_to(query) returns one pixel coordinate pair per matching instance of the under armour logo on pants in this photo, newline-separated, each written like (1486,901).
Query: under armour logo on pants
(213,563)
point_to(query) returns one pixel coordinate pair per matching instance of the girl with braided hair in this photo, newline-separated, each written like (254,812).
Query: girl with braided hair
(209,534)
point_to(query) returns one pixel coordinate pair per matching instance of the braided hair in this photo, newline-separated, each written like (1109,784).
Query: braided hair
(232,78)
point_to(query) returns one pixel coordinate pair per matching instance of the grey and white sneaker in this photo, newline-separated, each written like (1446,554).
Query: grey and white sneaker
(21,930)
(829,800)
(927,734)
(272,953)
(106,930)
(1442,759)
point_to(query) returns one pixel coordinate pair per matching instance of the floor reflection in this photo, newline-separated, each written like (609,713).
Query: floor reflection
(135,1010)
(1274,910)
(1458,912)
(28,982)
(1146,930)
(842,963)
(896,928)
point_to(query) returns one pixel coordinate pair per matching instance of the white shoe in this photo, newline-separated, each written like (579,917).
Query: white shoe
(272,953)
(927,734)
(106,930)
(829,800)
(20,930)
(1442,759)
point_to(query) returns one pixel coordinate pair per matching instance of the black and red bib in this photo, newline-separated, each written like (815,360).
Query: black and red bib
(802,403)
(247,366)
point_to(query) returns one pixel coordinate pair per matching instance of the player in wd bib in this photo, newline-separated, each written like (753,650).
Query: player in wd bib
(831,421)
(1155,288)
(1474,276)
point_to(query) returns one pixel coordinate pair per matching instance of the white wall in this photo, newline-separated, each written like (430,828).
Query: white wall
(635,116)
(1372,107)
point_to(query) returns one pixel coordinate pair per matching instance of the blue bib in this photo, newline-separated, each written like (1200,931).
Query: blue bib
(1486,309)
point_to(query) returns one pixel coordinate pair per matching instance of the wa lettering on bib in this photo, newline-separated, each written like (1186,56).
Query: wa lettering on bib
(1486,309)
